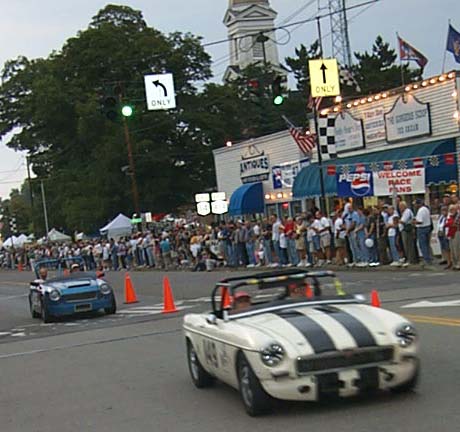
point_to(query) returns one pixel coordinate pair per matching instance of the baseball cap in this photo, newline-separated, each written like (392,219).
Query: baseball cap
(241,294)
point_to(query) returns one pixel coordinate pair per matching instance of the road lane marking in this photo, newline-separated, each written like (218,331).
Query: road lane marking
(425,319)
(12,297)
(430,304)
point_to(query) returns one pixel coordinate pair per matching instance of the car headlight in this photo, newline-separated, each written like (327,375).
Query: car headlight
(105,289)
(272,355)
(406,335)
(54,295)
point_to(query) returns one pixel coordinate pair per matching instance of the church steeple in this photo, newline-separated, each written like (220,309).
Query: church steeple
(245,19)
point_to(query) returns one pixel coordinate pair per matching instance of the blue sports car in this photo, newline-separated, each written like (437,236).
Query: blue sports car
(68,293)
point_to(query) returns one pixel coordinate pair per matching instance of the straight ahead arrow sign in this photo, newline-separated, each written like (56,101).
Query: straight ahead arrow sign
(324,69)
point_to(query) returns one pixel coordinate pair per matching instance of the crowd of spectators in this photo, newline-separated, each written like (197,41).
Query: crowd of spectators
(398,235)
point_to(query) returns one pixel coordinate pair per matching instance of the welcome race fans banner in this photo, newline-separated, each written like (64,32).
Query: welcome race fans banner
(405,182)
(381,183)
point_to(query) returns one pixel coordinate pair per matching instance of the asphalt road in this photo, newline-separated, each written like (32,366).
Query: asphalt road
(128,371)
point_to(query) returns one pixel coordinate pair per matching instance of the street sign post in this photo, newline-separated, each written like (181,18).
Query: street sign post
(159,92)
(324,77)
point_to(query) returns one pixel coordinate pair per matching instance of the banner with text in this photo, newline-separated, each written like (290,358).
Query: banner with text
(403,182)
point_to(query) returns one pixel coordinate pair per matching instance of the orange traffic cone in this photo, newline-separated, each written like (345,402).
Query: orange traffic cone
(308,292)
(226,298)
(168,299)
(375,299)
(66,272)
(130,294)
(20,266)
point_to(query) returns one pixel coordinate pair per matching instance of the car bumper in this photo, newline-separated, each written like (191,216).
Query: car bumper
(70,308)
(343,383)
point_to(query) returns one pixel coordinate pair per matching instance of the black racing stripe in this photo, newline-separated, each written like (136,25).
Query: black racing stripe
(316,336)
(362,336)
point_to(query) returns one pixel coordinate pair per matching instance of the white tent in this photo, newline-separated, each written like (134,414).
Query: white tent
(55,236)
(121,226)
(12,241)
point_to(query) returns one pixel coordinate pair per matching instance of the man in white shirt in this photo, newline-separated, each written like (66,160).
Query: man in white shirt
(424,228)
(276,224)
(325,236)
(406,227)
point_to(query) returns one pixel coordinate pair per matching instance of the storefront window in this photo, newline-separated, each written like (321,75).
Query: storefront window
(271,210)
(284,210)
(296,208)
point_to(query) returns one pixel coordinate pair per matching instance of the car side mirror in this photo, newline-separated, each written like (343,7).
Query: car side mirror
(211,319)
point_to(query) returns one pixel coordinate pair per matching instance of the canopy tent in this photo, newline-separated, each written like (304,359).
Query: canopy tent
(119,227)
(247,199)
(56,236)
(306,184)
(13,241)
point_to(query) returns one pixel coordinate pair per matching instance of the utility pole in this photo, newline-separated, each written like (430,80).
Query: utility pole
(31,195)
(45,213)
(318,147)
(132,167)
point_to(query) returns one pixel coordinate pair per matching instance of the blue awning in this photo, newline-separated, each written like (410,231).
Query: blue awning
(247,199)
(306,184)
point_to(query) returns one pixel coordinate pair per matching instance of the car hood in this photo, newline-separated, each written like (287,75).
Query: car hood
(310,330)
(83,284)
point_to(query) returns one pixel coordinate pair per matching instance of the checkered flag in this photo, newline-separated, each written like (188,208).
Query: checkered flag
(326,126)
(13,226)
(347,78)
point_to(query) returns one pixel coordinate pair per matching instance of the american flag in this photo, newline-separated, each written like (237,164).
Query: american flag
(314,102)
(305,140)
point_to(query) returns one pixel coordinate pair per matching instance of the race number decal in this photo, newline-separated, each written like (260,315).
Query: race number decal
(210,353)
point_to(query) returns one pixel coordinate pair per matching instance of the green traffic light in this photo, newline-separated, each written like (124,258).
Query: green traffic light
(278,100)
(127,111)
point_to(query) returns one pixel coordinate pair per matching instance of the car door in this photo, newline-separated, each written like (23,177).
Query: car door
(218,351)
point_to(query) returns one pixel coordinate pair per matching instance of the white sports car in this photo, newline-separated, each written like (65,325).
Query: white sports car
(296,343)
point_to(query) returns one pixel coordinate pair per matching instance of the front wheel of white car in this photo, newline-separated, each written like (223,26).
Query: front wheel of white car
(200,377)
(256,401)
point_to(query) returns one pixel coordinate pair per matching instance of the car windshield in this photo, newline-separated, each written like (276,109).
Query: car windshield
(260,291)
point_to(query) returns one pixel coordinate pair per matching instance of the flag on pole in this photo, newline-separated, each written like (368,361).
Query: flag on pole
(409,53)
(314,102)
(326,126)
(347,78)
(305,140)
(453,43)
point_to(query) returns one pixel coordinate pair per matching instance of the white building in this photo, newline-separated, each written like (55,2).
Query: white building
(245,21)
(389,132)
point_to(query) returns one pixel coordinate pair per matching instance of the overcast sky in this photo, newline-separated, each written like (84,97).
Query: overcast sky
(36,27)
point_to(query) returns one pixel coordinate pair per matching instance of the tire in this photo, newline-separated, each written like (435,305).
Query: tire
(113,307)
(200,377)
(410,385)
(256,401)
(33,313)
(45,315)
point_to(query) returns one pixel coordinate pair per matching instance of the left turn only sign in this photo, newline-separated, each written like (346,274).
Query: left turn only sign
(159,92)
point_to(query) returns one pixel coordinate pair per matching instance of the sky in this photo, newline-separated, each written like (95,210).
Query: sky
(35,28)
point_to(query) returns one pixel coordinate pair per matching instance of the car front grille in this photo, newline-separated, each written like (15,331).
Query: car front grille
(84,296)
(344,359)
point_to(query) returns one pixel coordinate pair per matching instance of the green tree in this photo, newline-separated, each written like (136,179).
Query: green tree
(378,70)
(52,106)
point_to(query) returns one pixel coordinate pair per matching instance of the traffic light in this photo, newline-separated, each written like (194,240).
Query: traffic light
(111,104)
(277,90)
(127,110)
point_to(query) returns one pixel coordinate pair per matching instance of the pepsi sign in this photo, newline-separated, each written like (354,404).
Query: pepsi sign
(355,184)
